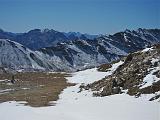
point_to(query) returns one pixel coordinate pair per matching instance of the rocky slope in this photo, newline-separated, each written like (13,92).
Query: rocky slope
(134,40)
(80,54)
(15,56)
(138,75)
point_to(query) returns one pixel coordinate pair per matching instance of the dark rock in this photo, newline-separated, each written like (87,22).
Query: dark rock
(116,90)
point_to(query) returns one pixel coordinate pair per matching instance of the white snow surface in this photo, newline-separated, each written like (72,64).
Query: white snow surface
(86,76)
(147,49)
(6,90)
(151,78)
(125,38)
(2,80)
(91,75)
(73,105)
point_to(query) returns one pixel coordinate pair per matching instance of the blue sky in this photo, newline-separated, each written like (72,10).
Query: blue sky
(86,16)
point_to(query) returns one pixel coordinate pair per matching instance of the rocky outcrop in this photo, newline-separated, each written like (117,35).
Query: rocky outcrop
(2,70)
(139,74)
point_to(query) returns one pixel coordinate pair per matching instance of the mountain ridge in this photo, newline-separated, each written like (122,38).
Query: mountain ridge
(39,38)
(79,54)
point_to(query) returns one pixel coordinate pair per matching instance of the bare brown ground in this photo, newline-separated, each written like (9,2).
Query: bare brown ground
(36,88)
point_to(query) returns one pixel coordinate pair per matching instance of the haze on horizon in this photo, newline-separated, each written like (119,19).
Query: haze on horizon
(86,16)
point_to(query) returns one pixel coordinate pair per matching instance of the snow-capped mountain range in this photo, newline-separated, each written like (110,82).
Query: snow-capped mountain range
(37,38)
(76,54)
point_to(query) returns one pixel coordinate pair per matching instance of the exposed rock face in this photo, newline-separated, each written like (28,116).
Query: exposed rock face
(2,70)
(139,74)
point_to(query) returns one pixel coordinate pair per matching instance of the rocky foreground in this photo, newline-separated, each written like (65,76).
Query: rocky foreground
(75,105)
(138,75)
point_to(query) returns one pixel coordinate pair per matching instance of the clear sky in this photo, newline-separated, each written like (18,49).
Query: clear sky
(86,16)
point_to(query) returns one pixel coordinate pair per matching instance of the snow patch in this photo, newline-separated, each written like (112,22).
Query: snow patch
(125,38)
(86,76)
(6,91)
(150,78)
(91,75)
(147,49)
(2,80)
